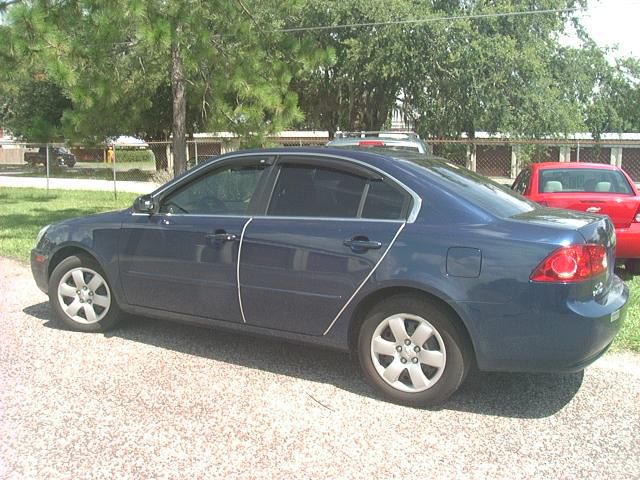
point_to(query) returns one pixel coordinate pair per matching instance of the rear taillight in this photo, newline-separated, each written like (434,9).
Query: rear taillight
(637,217)
(371,143)
(572,264)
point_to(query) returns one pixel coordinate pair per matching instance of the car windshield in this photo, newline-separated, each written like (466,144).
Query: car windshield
(498,200)
(587,180)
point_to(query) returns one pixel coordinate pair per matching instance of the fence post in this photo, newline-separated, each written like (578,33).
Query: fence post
(48,163)
(471,157)
(514,161)
(195,150)
(169,154)
(616,156)
(113,166)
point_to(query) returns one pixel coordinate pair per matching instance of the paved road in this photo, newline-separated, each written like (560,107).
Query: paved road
(76,184)
(155,399)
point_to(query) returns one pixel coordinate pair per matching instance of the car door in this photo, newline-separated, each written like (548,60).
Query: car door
(325,229)
(184,258)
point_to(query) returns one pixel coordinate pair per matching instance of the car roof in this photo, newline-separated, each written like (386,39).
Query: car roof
(548,165)
(370,155)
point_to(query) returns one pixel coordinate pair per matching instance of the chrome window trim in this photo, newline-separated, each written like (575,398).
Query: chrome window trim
(244,320)
(411,218)
(260,217)
(375,267)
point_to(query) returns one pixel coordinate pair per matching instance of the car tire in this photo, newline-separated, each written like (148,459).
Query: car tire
(81,296)
(412,352)
(633,267)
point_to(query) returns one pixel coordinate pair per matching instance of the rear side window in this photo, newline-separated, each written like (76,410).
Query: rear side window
(314,191)
(310,191)
(385,201)
(585,180)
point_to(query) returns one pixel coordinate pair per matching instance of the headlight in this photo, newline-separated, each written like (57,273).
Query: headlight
(41,233)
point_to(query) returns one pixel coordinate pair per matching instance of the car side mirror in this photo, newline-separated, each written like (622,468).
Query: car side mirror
(144,204)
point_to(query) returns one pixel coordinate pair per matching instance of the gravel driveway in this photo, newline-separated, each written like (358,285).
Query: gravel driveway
(156,399)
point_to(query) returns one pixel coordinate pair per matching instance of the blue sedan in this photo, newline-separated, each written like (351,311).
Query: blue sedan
(422,268)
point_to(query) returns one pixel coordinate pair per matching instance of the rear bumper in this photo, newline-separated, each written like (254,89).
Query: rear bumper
(628,242)
(548,336)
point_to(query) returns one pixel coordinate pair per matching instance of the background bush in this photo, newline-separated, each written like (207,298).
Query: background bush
(134,156)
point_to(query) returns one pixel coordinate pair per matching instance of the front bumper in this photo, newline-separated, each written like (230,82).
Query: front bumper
(40,270)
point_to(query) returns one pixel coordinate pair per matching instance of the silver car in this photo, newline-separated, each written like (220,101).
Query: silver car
(392,140)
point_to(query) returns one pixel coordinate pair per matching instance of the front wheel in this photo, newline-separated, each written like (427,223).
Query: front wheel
(411,350)
(81,296)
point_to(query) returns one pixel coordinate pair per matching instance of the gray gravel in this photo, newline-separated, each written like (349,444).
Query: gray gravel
(156,399)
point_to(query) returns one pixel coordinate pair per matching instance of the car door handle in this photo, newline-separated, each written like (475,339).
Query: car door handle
(362,244)
(593,209)
(222,237)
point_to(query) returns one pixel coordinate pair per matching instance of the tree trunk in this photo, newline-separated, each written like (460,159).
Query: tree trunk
(179,104)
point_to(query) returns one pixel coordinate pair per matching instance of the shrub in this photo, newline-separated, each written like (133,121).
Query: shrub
(134,156)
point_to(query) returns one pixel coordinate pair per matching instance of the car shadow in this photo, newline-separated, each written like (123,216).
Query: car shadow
(496,394)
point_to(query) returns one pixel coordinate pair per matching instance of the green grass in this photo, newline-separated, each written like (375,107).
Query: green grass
(99,171)
(24,211)
(629,337)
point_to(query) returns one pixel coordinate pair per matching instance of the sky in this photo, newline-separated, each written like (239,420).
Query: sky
(614,21)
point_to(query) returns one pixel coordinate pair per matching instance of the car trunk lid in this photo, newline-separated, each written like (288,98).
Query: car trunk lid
(594,229)
(621,209)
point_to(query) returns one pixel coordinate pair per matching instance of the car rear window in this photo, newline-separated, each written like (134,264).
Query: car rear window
(586,180)
(498,200)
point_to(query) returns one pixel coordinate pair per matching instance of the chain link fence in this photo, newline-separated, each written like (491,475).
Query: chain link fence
(504,160)
(140,167)
(137,167)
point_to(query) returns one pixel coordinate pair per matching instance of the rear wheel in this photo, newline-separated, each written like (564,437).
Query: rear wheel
(412,352)
(81,296)
(633,267)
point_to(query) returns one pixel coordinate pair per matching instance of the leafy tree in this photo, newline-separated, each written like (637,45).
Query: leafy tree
(506,74)
(34,111)
(615,105)
(126,63)
(361,74)
(496,74)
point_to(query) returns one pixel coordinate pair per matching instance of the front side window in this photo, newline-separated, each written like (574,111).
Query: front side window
(522,182)
(227,191)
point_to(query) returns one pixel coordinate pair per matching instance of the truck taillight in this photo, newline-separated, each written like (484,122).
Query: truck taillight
(572,264)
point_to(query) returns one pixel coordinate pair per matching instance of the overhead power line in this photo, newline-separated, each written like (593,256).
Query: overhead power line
(430,19)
